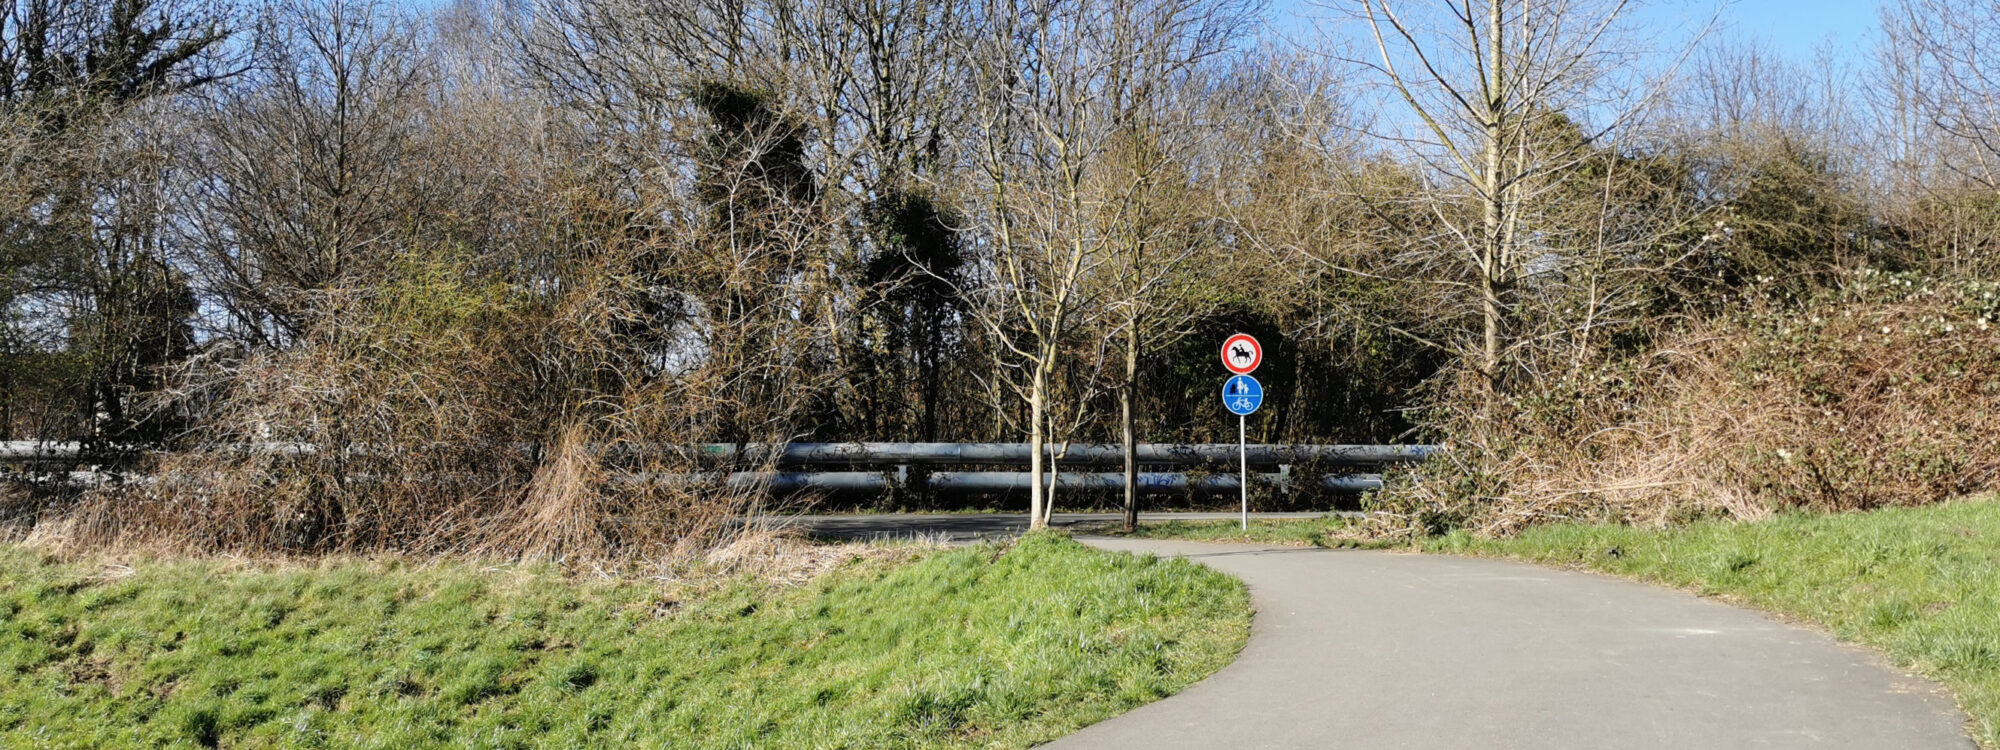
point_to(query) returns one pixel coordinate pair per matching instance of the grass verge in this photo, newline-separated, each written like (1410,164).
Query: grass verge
(1922,584)
(990,646)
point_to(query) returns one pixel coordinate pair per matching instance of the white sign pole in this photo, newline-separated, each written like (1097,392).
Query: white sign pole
(1242,346)
(1243,454)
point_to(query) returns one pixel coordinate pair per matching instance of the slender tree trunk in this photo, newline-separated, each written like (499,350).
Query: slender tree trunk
(1489,359)
(1037,440)
(1126,395)
(1494,187)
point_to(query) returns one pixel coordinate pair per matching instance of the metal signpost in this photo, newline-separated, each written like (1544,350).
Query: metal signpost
(1241,395)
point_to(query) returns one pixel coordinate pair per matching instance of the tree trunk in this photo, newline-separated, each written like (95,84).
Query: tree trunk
(1494,187)
(1037,440)
(1489,303)
(1126,395)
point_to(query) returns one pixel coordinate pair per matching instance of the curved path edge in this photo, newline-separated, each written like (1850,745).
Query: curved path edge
(1355,649)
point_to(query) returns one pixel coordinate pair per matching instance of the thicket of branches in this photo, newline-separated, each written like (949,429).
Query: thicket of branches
(490,271)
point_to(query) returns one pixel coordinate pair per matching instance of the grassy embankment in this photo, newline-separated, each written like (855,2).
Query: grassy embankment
(1921,584)
(984,646)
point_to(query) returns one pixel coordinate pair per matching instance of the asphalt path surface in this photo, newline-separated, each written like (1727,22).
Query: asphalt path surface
(1355,649)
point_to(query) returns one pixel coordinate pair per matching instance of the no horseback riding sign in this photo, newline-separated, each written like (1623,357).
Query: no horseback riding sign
(1242,354)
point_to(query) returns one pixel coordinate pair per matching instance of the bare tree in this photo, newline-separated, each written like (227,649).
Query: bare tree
(307,161)
(1063,90)
(1504,98)
(1937,85)
(1169,102)
(1950,74)
(1032,139)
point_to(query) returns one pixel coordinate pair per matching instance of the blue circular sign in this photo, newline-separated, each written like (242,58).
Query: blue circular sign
(1242,395)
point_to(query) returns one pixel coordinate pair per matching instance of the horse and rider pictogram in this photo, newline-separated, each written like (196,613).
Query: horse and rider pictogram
(1241,354)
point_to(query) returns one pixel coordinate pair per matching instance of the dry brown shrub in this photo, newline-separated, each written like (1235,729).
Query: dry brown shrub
(442,411)
(1882,393)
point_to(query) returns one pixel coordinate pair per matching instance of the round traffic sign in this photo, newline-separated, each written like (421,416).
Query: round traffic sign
(1241,353)
(1242,395)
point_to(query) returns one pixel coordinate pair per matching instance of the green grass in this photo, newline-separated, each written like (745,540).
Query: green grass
(1922,584)
(1325,531)
(985,646)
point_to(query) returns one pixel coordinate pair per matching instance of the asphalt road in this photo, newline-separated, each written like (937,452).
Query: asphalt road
(972,526)
(1381,650)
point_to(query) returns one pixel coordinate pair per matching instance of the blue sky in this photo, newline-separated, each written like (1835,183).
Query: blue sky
(1799,27)
(1796,28)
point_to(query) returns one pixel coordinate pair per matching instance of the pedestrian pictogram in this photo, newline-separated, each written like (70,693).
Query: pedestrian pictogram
(1242,395)
(1241,353)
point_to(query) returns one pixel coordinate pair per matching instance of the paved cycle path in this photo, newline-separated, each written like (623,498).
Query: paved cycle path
(1384,650)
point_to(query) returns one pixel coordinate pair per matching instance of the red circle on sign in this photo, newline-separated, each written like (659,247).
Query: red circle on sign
(1241,353)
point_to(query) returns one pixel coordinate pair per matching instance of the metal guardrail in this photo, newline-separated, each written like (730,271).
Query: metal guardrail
(998,454)
(907,465)
(1074,454)
(1017,481)
(21,451)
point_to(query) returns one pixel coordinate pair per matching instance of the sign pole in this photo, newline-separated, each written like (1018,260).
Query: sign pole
(1243,454)
(1241,395)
